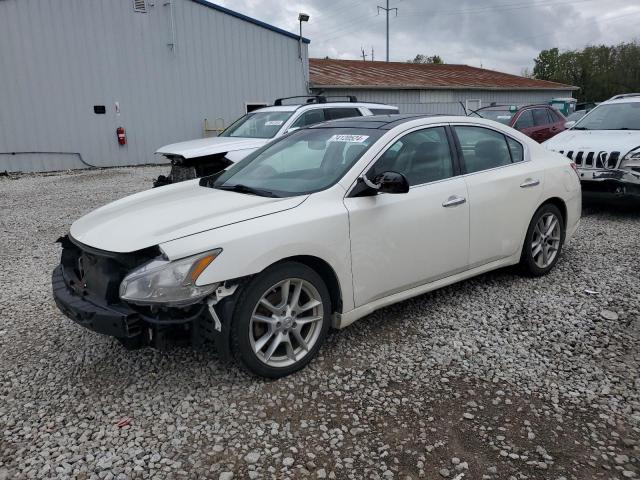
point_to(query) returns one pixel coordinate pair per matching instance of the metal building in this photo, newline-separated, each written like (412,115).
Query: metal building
(428,88)
(73,71)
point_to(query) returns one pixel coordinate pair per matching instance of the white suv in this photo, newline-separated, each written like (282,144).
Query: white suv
(205,156)
(605,145)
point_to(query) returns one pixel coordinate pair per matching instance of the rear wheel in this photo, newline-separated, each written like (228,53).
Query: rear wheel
(281,320)
(544,240)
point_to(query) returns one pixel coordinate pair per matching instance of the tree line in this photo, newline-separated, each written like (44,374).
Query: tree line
(600,71)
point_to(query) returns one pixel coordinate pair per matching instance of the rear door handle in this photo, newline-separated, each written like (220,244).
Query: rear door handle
(530,182)
(454,200)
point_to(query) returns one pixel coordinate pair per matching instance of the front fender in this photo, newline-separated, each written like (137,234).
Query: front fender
(319,227)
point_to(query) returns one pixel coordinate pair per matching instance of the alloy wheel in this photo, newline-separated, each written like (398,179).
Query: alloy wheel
(286,322)
(545,242)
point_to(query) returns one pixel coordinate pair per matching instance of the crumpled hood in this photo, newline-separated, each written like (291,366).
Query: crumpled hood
(595,140)
(209,146)
(162,214)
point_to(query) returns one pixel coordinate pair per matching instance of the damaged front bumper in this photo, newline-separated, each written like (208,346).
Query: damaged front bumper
(85,285)
(183,169)
(616,183)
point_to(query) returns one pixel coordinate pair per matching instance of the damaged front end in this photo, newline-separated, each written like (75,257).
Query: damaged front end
(606,174)
(189,168)
(87,288)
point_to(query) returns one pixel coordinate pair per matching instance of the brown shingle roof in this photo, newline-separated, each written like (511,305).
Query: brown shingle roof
(356,73)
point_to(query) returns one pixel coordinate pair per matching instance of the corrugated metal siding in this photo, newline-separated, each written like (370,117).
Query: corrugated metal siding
(448,101)
(59,58)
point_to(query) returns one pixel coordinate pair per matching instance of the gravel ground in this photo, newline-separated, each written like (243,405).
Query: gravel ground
(499,377)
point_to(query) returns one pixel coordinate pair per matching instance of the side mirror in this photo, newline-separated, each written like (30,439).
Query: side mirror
(388,182)
(292,129)
(569,124)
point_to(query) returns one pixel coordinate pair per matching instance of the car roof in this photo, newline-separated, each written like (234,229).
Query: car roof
(624,99)
(382,122)
(518,107)
(292,108)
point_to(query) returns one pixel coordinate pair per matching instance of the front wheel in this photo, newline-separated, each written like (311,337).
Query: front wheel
(281,320)
(544,240)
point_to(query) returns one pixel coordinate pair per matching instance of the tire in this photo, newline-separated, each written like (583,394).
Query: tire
(535,259)
(262,319)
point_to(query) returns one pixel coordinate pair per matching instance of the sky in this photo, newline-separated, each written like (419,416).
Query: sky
(504,35)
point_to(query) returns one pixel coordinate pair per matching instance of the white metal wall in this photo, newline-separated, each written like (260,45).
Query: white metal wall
(448,101)
(59,58)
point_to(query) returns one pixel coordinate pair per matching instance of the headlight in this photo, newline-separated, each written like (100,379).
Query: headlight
(164,282)
(631,160)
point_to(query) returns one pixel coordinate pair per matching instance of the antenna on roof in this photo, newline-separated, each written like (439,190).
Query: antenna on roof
(364,55)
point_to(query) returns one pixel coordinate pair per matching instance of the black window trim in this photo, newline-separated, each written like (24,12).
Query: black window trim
(525,149)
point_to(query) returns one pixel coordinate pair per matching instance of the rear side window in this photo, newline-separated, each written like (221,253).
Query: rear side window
(516,150)
(384,111)
(525,120)
(483,149)
(541,117)
(310,117)
(336,113)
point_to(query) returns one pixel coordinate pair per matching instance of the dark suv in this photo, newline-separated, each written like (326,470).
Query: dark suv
(540,122)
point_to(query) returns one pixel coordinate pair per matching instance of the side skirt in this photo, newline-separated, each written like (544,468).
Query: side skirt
(342,320)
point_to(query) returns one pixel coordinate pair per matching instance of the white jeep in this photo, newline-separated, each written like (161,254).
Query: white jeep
(206,156)
(605,145)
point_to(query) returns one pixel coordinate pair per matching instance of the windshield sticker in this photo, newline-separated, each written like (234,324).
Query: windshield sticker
(273,122)
(504,117)
(348,138)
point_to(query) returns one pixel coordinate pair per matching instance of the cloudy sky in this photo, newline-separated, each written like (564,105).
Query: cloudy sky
(498,34)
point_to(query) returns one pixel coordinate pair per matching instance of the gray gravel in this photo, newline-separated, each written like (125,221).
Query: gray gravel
(499,377)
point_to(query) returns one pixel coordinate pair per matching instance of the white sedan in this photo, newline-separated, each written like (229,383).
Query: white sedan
(316,230)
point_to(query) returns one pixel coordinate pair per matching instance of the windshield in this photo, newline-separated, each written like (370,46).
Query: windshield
(502,116)
(575,116)
(306,161)
(257,125)
(613,116)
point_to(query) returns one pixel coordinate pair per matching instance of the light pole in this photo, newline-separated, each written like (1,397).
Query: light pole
(302,17)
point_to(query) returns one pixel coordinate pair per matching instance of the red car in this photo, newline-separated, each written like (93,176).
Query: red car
(540,122)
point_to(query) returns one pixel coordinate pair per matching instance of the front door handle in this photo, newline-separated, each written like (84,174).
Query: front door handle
(454,200)
(530,182)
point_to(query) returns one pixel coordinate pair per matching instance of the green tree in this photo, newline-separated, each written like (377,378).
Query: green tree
(420,58)
(600,71)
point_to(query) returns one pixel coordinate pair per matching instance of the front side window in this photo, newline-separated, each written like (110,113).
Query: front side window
(482,149)
(257,125)
(525,120)
(422,156)
(310,117)
(540,117)
(336,113)
(613,116)
(306,161)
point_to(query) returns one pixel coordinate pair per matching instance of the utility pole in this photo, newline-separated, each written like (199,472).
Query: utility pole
(387,10)
(372,57)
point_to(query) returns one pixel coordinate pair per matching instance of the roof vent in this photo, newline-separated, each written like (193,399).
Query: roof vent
(139,6)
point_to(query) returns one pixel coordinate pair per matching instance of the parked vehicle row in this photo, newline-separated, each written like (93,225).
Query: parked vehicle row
(316,229)
(540,122)
(204,156)
(605,145)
